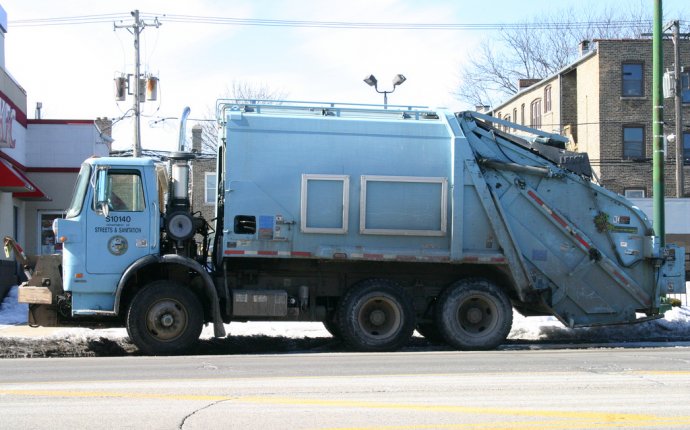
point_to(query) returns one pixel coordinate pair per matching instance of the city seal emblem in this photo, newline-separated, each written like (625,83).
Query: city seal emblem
(117,245)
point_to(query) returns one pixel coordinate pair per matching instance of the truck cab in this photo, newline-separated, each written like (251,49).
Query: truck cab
(129,257)
(102,235)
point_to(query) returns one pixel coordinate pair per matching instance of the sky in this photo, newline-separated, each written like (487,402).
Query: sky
(70,68)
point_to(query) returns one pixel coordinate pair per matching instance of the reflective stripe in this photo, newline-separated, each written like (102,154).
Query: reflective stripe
(268,253)
(375,256)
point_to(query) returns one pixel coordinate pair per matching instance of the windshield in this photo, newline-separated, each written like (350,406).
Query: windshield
(79,191)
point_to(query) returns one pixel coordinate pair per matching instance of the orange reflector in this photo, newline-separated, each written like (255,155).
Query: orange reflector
(63,239)
(79,275)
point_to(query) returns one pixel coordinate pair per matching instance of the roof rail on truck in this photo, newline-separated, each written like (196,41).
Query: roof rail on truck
(303,108)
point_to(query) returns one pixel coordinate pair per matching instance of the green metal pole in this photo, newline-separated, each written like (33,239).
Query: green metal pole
(658,126)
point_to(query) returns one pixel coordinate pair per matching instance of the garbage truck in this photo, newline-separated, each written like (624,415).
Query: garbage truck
(373,220)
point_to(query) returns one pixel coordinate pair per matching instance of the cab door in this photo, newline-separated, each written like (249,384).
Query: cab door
(119,235)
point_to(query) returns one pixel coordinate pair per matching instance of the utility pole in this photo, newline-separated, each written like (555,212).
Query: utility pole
(678,106)
(659,215)
(136,30)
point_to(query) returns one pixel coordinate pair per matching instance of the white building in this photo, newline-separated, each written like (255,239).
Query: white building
(39,161)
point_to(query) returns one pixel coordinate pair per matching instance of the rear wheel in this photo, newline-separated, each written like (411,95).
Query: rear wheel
(376,315)
(164,318)
(473,314)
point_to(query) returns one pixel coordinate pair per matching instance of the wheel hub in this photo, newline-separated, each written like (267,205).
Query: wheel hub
(377,317)
(474,315)
(167,320)
(477,314)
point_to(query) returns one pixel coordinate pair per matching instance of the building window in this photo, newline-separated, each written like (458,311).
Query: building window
(633,142)
(632,80)
(515,115)
(685,87)
(535,114)
(48,244)
(522,114)
(547,99)
(634,193)
(686,148)
(210,188)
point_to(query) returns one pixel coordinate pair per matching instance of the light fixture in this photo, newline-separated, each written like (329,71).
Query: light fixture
(372,82)
(398,80)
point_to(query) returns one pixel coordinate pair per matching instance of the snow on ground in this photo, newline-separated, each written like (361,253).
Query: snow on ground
(674,326)
(11,312)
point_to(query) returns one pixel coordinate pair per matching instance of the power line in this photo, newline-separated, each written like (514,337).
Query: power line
(69,20)
(195,19)
(390,26)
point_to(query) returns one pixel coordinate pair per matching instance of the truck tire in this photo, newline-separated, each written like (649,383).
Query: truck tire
(164,318)
(376,315)
(474,314)
(332,326)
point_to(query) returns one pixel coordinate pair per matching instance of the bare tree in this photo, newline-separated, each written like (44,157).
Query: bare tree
(239,90)
(539,48)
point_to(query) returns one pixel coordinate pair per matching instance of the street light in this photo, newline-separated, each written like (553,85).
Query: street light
(372,82)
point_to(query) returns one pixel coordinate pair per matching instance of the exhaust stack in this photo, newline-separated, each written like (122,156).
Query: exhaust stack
(179,221)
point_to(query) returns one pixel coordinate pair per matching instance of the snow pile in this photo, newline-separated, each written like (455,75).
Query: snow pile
(288,329)
(11,312)
(674,326)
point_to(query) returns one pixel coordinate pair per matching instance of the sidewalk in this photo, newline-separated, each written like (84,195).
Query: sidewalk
(23,330)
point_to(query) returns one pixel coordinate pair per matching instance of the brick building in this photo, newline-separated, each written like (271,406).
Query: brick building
(603,103)
(204,182)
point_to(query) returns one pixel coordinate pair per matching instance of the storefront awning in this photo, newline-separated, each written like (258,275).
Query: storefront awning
(15,182)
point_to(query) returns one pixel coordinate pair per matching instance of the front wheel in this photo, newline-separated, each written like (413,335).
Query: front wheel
(376,315)
(474,314)
(164,318)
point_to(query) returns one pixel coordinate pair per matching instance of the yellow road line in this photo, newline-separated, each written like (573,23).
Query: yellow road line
(526,425)
(661,372)
(582,415)
(110,394)
(559,419)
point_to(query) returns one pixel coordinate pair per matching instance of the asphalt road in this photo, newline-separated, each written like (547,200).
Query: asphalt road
(542,389)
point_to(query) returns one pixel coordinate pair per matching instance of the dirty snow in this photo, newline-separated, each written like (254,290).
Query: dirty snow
(674,329)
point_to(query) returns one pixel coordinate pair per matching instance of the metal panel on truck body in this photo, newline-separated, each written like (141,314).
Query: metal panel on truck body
(399,187)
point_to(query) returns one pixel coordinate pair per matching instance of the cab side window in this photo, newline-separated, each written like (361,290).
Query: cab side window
(125,192)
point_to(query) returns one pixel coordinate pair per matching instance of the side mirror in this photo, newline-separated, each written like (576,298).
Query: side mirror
(101,192)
